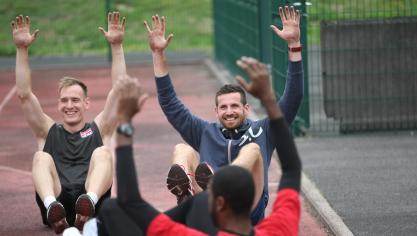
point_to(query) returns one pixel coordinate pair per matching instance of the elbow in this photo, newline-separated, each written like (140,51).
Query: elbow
(23,95)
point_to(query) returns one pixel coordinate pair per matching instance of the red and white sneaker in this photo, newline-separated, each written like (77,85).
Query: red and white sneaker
(56,217)
(203,173)
(84,210)
(179,183)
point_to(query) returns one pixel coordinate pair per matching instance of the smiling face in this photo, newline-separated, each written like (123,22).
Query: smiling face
(72,105)
(230,110)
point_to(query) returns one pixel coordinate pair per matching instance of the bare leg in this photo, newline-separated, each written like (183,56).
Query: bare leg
(184,155)
(250,158)
(45,176)
(100,173)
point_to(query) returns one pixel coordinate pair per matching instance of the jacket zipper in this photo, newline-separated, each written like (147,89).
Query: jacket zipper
(229,154)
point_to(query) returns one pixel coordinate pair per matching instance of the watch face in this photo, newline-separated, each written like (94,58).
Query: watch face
(125,129)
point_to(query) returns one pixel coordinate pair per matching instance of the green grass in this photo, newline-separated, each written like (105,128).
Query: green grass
(70,27)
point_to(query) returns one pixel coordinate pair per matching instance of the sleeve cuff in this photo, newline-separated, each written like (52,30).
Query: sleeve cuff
(295,67)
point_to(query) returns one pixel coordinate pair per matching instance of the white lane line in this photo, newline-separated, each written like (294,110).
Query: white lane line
(7,168)
(7,98)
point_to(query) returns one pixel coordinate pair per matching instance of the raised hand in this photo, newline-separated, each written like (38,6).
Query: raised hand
(291,25)
(131,97)
(156,35)
(259,85)
(21,32)
(116,28)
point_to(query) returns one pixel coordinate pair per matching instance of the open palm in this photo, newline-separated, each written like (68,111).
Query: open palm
(156,35)
(21,32)
(116,28)
(290,25)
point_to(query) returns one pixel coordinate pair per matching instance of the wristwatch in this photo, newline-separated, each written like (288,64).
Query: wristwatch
(126,129)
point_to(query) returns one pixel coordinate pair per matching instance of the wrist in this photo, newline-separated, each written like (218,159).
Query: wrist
(293,44)
(22,48)
(269,99)
(116,46)
(124,119)
(158,53)
(125,129)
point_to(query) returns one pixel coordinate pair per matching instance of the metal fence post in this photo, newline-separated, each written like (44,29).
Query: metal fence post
(265,36)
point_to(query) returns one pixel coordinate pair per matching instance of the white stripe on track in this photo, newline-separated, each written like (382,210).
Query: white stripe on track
(7,168)
(7,98)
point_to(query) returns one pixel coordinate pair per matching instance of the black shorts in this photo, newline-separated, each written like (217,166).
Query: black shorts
(68,196)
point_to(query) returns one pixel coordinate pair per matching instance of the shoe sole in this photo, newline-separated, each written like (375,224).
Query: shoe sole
(57,218)
(203,173)
(84,210)
(178,181)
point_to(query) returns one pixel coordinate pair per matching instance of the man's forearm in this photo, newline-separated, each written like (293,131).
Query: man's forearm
(159,64)
(23,77)
(118,62)
(271,108)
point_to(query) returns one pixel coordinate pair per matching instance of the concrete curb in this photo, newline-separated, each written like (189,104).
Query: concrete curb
(329,216)
(311,193)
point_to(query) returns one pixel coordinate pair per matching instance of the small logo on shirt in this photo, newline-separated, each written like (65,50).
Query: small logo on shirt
(86,133)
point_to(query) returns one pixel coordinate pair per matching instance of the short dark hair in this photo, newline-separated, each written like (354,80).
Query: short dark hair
(232,88)
(69,81)
(235,184)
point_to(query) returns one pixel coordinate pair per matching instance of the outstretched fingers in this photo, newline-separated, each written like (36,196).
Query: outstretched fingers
(170,36)
(163,23)
(123,23)
(148,30)
(141,101)
(35,34)
(242,82)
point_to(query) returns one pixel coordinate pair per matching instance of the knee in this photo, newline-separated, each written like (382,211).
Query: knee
(251,147)
(184,150)
(41,158)
(181,147)
(102,153)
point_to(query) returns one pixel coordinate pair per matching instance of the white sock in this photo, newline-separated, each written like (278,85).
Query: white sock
(48,200)
(93,197)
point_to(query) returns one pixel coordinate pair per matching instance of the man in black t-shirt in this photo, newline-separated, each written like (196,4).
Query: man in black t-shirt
(72,167)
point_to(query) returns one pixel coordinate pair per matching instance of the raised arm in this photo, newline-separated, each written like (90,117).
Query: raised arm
(158,43)
(114,35)
(260,87)
(285,217)
(189,126)
(290,32)
(107,119)
(290,100)
(38,121)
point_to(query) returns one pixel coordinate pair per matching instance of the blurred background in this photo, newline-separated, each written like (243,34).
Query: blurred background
(360,56)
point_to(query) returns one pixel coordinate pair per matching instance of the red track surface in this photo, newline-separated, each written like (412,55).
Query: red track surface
(154,139)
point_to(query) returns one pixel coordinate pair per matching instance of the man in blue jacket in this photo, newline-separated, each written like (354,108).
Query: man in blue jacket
(235,139)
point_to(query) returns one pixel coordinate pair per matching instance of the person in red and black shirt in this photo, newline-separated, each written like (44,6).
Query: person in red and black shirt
(231,190)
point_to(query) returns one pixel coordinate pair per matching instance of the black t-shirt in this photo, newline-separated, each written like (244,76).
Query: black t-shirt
(72,152)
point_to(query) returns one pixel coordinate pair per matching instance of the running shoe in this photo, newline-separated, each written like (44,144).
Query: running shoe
(203,173)
(56,217)
(84,210)
(179,183)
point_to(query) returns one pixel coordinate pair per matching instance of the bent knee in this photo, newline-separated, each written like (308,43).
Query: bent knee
(253,147)
(41,157)
(183,149)
(103,153)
